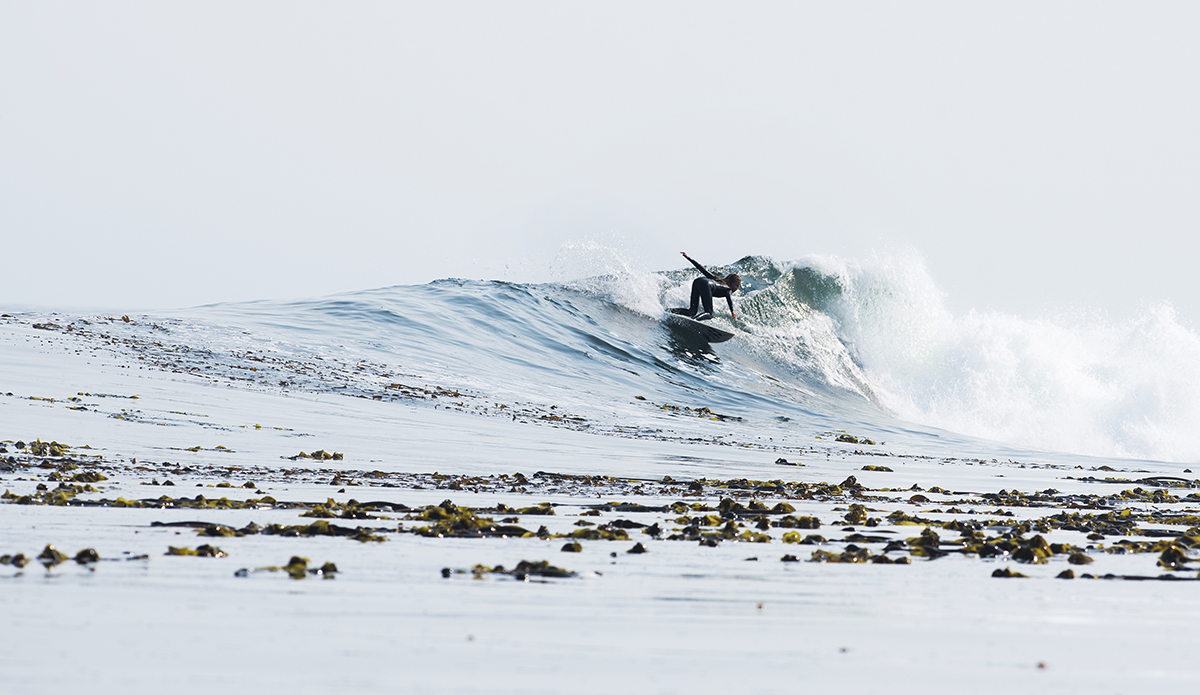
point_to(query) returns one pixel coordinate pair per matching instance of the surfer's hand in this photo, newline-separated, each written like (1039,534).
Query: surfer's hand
(684,254)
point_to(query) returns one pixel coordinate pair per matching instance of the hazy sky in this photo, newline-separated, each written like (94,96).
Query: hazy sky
(163,154)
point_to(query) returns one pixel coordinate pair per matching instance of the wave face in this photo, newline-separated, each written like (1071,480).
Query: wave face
(823,342)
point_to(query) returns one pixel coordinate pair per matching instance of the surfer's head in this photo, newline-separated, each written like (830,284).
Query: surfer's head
(733,280)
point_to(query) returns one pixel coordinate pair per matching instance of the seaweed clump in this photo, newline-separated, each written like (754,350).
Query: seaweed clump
(351,509)
(604,532)
(60,496)
(318,455)
(450,520)
(807,522)
(202,551)
(321,527)
(19,560)
(296,568)
(854,554)
(50,556)
(524,571)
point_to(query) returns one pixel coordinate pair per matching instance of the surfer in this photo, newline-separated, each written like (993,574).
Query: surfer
(707,287)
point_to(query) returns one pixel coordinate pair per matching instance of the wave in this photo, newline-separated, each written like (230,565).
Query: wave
(822,339)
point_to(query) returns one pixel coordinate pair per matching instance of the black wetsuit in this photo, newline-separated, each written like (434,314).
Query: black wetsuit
(704,289)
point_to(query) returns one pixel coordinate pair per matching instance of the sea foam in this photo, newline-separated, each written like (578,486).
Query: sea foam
(1080,383)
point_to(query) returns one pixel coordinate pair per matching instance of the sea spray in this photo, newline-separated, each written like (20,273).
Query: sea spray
(608,271)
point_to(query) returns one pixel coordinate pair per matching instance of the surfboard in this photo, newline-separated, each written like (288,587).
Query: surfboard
(701,329)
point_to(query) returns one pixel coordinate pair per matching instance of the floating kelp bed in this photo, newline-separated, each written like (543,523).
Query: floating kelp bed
(706,511)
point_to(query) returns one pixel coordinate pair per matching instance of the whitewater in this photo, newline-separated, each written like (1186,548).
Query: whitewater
(852,404)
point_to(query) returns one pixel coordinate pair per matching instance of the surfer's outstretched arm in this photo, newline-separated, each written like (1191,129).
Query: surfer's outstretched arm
(701,268)
(729,298)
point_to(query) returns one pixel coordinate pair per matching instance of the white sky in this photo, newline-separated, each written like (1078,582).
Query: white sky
(162,154)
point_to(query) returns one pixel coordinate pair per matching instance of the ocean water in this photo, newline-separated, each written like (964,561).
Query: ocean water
(447,390)
(821,342)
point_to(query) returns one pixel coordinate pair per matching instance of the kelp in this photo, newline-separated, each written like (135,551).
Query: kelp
(524,571)
(296,568)
(202,551)
(450,520)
